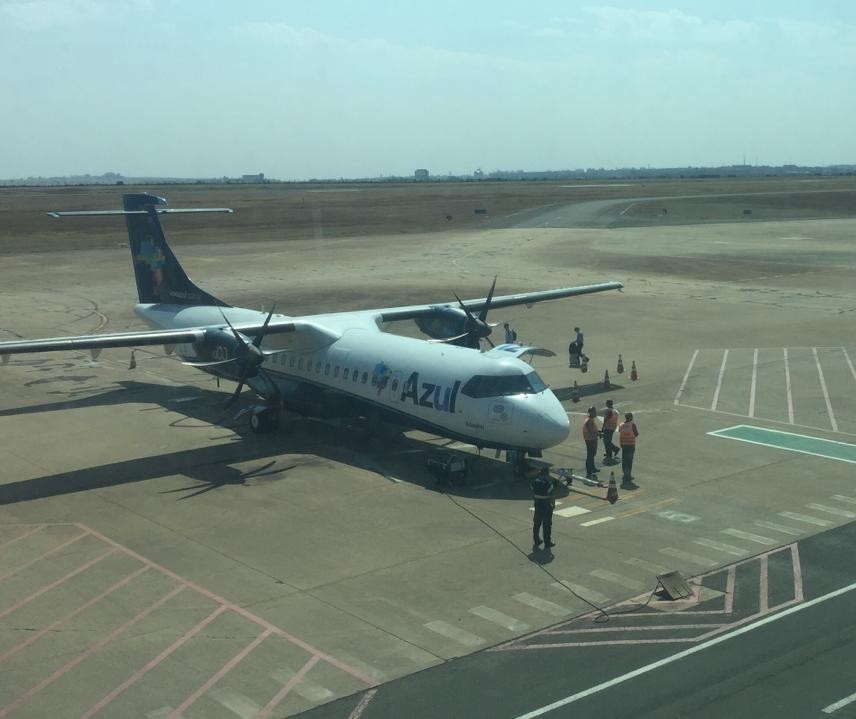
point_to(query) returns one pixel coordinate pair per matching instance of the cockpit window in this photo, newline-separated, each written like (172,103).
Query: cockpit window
(503,385)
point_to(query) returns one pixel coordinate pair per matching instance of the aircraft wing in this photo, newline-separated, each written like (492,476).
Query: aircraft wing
(130,339)
(525,298)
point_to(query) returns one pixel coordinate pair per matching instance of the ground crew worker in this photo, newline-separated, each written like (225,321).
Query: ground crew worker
(510,334)
(610,423)
(590,434)
(627,434)
(542,487)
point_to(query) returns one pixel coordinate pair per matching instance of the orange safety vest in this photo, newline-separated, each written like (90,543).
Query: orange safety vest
(590,429)
(627,434)
(610,419)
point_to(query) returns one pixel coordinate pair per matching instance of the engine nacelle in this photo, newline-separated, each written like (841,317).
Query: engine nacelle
(443,322)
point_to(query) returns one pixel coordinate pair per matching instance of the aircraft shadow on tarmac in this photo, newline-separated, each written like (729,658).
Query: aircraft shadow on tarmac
(586,390)
(394,455)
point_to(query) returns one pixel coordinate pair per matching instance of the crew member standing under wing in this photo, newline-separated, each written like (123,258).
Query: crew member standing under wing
(627,434)
(590,433)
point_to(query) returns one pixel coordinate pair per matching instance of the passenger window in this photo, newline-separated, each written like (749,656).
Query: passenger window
(300,363)
(394,385)
(345,373)
(336,371)
(327,369)
(318,368)
(365,377)
(291,361)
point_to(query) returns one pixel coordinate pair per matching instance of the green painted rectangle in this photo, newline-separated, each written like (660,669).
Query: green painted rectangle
(828,448)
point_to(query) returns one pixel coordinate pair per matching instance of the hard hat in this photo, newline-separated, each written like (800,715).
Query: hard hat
(592,411)
(628,416)
(609,403)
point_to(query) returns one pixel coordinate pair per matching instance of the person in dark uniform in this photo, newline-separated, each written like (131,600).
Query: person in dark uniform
(590,435)
(627,434)
(542,487)
(610,424)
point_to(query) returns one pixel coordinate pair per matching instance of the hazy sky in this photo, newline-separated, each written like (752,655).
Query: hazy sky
(332,88)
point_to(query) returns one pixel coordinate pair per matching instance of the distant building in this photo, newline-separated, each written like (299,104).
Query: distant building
(253,178)
(421,175)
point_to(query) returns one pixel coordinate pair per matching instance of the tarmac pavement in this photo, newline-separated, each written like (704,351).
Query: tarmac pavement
(332,565)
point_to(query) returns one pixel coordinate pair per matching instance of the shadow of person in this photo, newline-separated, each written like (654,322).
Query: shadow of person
(541,555)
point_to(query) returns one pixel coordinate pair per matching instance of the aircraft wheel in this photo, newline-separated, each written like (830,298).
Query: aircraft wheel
(265,421)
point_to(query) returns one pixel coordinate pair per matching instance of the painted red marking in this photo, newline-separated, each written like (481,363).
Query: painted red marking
(293,682)
(154,662)
(32,691)
(58,582)
(22,536)
(53,625)
(225,669)
(41,557)
(236,608)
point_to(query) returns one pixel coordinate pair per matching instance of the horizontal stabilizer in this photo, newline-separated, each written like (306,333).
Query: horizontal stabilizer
(159,210)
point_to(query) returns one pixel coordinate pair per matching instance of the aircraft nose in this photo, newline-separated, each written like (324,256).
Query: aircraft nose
(553,427)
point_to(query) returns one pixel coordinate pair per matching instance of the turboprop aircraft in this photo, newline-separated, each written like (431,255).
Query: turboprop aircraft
(340,364)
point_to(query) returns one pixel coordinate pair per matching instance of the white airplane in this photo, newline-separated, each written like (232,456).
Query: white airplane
(340,364)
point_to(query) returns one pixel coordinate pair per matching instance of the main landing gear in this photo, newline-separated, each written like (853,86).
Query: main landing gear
(264,418)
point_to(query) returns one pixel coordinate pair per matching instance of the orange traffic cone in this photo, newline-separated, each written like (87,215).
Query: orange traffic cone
(612,490)
(620,368)
(634,375)
(576,393)
(606,379)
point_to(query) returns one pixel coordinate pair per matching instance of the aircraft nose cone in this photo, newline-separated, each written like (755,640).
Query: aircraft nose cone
(553,424)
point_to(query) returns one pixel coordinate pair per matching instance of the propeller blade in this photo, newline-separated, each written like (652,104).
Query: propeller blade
(208,364)
(449,339)
(234,331)
(483,313)
(258,340)
(463,306)
(489,342)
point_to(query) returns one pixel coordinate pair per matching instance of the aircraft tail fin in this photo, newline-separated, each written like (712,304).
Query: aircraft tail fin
(160,277)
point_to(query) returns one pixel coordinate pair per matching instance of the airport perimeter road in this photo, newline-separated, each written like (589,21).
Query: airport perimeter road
(786,650)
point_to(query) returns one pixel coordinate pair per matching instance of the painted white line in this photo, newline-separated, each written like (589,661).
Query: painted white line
(720,547)
(542,605)
(719,380)
(572,511)
(832,510)
(769,419)
(497,617)
(235,702)
(849,363)
(694,558)
(784,528)
(754,381)
(592,522)
(460,636)
(842,498)
(788,388)
(825,391)
(749,537)
(309,690)
(805,518)
(686,377)
(647,566)
(627,208)
(840,703)
(685,653)
(584,592)
(614,578)
(721,433)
